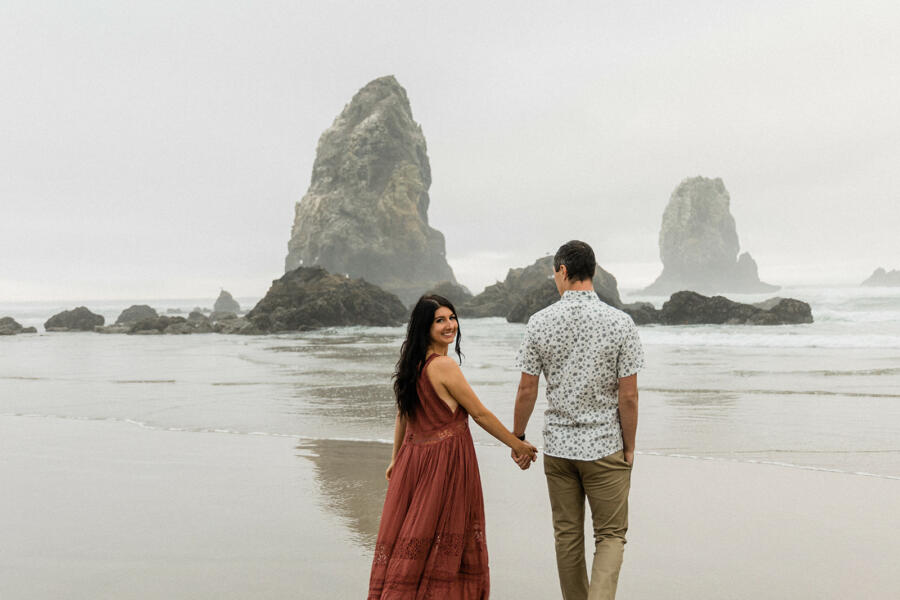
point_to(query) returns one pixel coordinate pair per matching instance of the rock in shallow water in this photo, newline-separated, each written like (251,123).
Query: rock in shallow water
(226,303)
(77,319)
(9,326)
(311,297)
(135,313)
(530,289)
(691,308)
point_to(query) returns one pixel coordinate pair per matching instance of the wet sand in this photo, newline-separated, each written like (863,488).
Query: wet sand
(102,509)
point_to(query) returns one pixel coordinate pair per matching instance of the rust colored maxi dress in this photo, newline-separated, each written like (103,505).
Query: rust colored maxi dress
(431,541)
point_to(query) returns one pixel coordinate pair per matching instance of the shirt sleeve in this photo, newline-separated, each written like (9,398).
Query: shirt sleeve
(528,359)
(631,353)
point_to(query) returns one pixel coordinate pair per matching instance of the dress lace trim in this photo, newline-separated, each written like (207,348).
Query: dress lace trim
(438,435)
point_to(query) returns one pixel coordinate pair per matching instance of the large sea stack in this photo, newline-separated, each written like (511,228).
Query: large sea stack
(698,244)
(366,211)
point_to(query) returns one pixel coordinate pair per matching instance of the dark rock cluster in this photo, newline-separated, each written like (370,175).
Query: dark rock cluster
(530,289)
(311,297)
(135,313)
(77,319)
(9,326)
(691,308)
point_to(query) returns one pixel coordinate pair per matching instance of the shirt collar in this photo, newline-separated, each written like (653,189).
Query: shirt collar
(579,296)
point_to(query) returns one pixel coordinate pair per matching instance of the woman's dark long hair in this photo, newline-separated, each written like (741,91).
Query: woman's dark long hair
(412,353)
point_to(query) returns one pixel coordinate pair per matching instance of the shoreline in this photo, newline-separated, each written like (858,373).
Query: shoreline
(111,509)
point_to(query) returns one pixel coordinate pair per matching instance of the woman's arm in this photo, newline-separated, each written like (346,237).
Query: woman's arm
(448,375)
(399,434)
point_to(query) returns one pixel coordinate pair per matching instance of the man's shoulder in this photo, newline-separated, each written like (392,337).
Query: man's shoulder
(544,315)
(617,315)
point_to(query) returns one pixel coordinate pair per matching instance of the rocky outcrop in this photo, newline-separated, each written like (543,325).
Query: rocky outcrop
(530,289)
(454,292)
(691,308)
(366,211)
(195,323)
(135,313)
(9,326)
(698,244)
(882,278)
(77,319)
(226,304)
(642,313)
(311,297)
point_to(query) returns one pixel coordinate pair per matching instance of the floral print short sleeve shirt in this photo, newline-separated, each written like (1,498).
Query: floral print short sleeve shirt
(583,347)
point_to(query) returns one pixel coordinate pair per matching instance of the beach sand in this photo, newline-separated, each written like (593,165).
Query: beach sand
(106,509)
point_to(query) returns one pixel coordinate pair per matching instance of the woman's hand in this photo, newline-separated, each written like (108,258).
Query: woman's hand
(390,469)
(523,450)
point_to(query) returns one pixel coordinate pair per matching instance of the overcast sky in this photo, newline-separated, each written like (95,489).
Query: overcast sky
(157,149)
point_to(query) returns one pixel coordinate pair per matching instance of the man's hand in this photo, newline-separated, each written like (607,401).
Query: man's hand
(524,461)
(629,457)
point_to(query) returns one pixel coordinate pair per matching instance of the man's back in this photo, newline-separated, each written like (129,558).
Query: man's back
(583,346)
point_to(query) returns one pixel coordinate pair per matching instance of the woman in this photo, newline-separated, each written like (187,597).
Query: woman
(431,540)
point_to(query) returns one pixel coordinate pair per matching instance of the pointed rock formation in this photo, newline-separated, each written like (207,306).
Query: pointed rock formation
(698,244)
(226,303)
(366,211)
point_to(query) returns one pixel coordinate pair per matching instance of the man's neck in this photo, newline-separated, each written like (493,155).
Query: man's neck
(585,285)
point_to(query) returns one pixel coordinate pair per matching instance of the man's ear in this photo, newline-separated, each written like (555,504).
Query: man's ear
(564,271)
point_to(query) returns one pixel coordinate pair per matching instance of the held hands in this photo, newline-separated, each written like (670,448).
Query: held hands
(524,453)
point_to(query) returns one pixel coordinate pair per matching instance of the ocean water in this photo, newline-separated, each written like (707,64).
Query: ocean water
(818,396)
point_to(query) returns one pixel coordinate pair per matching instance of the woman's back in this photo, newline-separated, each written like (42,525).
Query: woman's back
(431,540)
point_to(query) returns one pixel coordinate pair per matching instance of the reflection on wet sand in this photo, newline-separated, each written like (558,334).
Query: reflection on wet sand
(364,402)
(350,476)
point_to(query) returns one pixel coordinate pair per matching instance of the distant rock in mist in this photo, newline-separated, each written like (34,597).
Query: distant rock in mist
(883,278)
(365,213)
(698,244)
(135,313)
(226,304)
(530,289)
(77,319)
(691,308)
(457,294)
(9,326)
(311,297)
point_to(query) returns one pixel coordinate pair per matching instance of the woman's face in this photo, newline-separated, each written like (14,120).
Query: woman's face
(444,327)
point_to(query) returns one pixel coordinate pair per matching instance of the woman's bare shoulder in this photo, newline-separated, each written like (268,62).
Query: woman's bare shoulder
(444,365)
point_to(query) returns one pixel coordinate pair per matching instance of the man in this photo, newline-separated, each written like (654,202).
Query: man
(590,354)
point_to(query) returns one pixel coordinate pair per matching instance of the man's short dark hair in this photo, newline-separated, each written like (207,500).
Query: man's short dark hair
(578,258)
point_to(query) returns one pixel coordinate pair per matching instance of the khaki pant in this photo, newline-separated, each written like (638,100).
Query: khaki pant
(605,483)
